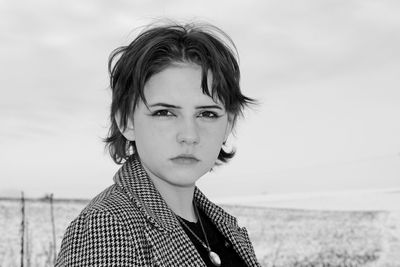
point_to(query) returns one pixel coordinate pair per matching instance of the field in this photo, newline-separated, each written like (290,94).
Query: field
(281,237)
(289,237)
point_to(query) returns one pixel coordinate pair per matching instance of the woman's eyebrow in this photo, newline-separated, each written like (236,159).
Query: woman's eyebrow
(165,105)
(178,107)
(209,106)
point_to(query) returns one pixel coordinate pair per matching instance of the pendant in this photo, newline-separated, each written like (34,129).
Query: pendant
(214,258)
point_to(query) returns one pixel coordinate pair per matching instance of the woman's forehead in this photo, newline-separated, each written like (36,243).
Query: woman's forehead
(181,101)
(179,83)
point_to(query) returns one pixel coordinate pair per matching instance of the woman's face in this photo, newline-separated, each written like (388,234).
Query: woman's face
(179,135)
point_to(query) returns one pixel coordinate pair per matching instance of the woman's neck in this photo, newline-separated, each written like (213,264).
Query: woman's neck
(180,201)
(178,198)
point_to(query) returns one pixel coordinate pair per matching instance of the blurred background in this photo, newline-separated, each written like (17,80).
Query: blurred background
(325,72)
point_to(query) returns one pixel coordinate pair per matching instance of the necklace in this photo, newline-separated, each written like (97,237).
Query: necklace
(215,259)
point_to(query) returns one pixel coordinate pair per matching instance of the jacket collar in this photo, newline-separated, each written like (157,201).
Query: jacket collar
(135,182)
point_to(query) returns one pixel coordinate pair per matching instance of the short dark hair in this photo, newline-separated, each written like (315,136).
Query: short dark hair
(154,49)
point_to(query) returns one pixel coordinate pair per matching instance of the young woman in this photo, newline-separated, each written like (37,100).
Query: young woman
(175,100)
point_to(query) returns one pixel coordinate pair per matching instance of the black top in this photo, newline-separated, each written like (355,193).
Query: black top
(218,243)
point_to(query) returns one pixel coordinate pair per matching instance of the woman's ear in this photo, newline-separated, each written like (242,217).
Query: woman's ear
(128,132)
(229,126)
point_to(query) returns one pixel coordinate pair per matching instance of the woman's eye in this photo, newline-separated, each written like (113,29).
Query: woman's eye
(162,113)
(208,114)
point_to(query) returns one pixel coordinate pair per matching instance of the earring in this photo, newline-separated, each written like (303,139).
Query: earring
(128,148)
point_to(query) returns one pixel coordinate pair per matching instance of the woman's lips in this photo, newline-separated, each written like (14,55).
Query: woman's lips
(184,160)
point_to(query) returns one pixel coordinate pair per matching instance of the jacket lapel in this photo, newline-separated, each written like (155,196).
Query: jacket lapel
(227,225)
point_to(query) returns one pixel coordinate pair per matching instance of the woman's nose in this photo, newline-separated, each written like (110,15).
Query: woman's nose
(188,132)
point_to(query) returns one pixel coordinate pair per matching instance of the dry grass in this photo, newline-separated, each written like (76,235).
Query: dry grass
(281,237)
(38,226)
(284,237)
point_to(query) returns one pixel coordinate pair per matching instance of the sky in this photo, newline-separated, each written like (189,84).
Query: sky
(326,74)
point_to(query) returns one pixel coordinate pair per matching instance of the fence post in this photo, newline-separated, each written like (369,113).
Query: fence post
(53,228)
(22,227)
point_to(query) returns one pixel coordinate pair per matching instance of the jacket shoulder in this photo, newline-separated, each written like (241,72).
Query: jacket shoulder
(113,201)
(105,233)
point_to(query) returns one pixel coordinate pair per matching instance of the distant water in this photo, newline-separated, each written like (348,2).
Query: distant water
(367,200)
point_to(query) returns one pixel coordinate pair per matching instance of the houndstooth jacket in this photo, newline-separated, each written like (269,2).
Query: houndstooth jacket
(129,224)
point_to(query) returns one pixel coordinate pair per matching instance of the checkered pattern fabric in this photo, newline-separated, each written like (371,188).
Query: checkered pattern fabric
(129,224)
